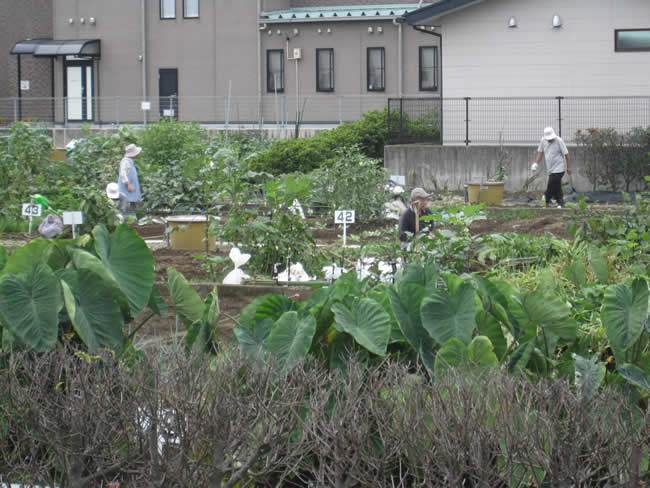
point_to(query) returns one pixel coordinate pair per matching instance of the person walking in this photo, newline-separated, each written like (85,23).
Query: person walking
(558,162)
(127,181)
(409,221)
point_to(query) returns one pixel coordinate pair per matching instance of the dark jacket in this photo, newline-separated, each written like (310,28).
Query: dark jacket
(407,224)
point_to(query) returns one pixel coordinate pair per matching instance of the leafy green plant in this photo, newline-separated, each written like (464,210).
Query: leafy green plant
(86,289)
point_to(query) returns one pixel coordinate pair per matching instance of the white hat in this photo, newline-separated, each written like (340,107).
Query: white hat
(549,134)
(132,151)
(419,193)
(113,191)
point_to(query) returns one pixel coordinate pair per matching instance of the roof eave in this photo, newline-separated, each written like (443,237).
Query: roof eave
(426,15)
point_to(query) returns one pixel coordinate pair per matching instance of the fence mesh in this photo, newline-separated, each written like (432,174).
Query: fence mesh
(430,120)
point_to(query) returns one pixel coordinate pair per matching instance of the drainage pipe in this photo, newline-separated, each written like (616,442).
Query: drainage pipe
(259,61)
(400,61)
(143,5)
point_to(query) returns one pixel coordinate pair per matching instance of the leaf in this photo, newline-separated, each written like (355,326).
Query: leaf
(186,301)
(426,275)
(624,314)
(24,258)
(535,312)
(251,340)
(291,336)
(95,316)
(4,256)
(588,376)
(451,355)
(367,322)
(481,352)
(406,307)
(157,303)
(129,261)
(635,375)
(575,272)
(520,357)
(490,327)
(29,306)
(445,316)
(273,306)
(599,264)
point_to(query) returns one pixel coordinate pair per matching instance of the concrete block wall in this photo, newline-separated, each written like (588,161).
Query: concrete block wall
(449,168)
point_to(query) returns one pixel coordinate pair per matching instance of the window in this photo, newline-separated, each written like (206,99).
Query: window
(428,68)
(325,70)
(167,9)
(632,40)
(274,70)
(376,69)
(191,9)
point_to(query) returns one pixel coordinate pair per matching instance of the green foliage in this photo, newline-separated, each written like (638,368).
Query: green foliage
(305,155)
(351,181)
(86,289)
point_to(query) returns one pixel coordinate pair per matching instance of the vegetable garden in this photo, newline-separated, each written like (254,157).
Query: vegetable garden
(490,353)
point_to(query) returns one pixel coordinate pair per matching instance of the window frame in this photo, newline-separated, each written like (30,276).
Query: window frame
(161,3)
(435,68)
(320,50)
(383,69)
(198,9)
(629,50)
(269,88)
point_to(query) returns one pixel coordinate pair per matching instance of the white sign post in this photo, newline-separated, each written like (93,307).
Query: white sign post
(32,210)
(344,217)
(73,218)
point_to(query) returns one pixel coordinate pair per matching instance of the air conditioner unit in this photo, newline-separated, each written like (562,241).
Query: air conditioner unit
(297,53)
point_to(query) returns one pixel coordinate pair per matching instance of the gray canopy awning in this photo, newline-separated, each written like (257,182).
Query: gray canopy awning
(49,47)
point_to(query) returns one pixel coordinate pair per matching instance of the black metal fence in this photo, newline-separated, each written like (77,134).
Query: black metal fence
(414,120)
(511,120)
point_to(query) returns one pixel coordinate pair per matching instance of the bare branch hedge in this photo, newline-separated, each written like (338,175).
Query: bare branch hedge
(75,420)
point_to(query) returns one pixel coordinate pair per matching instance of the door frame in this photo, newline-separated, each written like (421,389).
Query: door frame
(83,63)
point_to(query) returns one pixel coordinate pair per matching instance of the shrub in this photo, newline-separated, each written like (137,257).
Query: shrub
(305,155)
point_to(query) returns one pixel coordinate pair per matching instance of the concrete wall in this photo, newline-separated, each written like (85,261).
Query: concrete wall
(450,167)
(483,57)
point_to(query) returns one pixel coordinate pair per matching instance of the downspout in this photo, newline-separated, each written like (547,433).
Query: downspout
(259,61)
(439,36)
(143,4)
(400,61)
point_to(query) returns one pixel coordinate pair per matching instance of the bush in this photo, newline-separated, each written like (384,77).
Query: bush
(305,155)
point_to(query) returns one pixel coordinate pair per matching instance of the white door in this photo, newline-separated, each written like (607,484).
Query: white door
(75,92)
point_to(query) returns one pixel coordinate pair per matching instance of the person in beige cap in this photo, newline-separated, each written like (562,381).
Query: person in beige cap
(558,161)
(128,182)
(409,221)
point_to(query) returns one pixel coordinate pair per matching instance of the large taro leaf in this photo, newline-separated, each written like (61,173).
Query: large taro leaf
(29,306)
(635,375)
(406,307)
(380,294)
(574,271)
(426,274)
(599,264)
(201,334)
(624,314)
(188,305)
(490,327)
(95,316)
(520,357)
(130,262)
(291,336)
(251,339)
(367,322)
(4,256)
(480,352)
(24,258)
(273,306)
(446,315)
(589,374)
(537,313)
(452,354)
(157,303)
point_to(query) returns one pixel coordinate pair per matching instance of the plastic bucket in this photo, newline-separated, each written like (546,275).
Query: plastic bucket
(488,193)
(189,234)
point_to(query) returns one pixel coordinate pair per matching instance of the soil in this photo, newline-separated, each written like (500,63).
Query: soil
(233,299)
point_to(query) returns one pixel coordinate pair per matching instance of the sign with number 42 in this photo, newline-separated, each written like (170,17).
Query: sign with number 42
(344,216)
(32,210)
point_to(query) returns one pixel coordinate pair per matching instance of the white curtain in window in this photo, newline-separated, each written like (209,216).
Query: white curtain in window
(275,73)
(191,8)
(168,8)
(427,65)
(325,69)
(376,69)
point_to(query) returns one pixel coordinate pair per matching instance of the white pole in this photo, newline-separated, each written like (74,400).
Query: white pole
(30,217)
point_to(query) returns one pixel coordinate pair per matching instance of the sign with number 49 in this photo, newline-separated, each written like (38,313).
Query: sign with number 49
(32,210)
(344,216)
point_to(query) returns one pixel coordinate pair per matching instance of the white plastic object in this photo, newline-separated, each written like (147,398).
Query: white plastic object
(296,273)
(238,259)
(534,167)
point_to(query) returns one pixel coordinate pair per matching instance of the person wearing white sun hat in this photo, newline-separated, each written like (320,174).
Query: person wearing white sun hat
(128,181)
(558,162)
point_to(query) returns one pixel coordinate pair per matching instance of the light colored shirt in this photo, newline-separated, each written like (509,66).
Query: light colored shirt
(125,169)
(554,154)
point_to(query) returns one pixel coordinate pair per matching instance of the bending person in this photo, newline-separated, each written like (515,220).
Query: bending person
(409,221)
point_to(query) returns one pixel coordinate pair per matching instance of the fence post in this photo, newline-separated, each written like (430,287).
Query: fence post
(559,115)
(117,110)
(15,110)
(401,122)
(283,108)
(65,111)
(340,109)
(467,141)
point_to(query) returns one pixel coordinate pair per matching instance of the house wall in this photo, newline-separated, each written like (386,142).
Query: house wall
(20,20)
(485,58)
